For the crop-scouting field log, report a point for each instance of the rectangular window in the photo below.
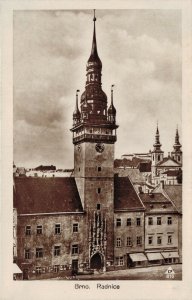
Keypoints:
(56, 268)
(129, 222)
(38, 270)
(169, 239)
(119, 261)
(158, 220)
(75, 227)
(99, 169)
(118, 222)
(159, 240)
(169, 220)
(39, 252)
(98, 206)
(28, 230)
(129, 241)
(57, 250)
(27, 254)
(39, 229)
(99, 190)
(150, 221)
(118, 242)
(138, 221)
(150, 240)
(57, 228)
(75, 249)
(139, 240)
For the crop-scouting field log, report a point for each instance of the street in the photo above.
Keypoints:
(149, 273)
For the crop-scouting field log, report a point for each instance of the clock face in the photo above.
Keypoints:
(99, 147)
(79, 147)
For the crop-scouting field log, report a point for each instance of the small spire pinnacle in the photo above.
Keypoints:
(94, 19)
(112, 93)
(76, 114)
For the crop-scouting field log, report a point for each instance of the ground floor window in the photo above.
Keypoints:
(38, 270)
(56, 268)
(119, 261)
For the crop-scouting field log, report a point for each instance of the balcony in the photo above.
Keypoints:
(86, 137)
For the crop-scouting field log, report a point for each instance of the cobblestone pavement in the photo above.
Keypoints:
(149, 273)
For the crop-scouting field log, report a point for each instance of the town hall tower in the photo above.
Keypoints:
(94, 135)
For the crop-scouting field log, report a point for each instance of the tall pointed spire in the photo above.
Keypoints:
(177, 144)
(157, 144)
(94, 54)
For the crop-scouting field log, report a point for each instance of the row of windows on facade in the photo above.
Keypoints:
(39, 252)
(159, 240)
(129, 241)
(57, 230)
(138, 221)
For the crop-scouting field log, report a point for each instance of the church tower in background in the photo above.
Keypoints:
(94, 135)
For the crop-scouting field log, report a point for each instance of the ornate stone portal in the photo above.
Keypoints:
(97, 241)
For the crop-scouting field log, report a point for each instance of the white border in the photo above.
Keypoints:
(171, 290)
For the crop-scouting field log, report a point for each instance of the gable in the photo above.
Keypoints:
(169, 163)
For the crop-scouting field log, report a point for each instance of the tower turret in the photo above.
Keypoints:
(76, 113)
(176, 154)
(111, 109)
(156, 155)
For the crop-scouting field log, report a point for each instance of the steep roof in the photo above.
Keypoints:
(174, 192)
(134, 174)
(46, 195)
(157, 203)
(125, 196)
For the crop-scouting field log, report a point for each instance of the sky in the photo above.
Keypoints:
(141, 54)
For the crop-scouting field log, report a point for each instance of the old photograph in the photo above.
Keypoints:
(97, 143)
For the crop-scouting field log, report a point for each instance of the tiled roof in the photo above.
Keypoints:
(46, 195)
(129, 163)
(144, 166)
(125, 196)
(174, 192)
(134, 174)
(171, 172)
(157, 203)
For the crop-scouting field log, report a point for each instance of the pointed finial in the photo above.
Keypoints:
(157, 132)
(112, 93)
(94, 18)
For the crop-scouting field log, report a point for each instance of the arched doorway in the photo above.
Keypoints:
(96, 261)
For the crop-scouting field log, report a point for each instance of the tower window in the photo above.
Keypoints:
(99, 169)
(98, 206)
(178, 158)
(158, 157)
(79, 169)
(99, 190)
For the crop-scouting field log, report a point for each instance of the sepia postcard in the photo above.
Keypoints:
(96, 150)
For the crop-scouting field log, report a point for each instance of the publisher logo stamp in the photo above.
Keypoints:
(170, 274)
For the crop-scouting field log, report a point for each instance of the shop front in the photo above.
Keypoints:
(154, 258)
(170, 257)
(137, 260)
